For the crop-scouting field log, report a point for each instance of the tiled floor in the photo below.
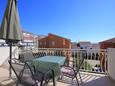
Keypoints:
(89, 79)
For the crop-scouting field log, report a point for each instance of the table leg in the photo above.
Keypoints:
(55, 80)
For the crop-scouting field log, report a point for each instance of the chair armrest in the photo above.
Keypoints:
(67, 67)
(17, 61)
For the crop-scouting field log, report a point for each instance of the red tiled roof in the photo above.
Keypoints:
(109, 40)
(58, 36)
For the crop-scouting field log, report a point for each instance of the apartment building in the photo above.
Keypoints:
(110, 43)
(2, 43)
(54, 41)
(85, 45)
(30, 40)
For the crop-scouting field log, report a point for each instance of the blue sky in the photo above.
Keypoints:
(78, 20)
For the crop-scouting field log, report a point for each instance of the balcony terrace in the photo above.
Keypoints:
(89, 79)
(94, 71)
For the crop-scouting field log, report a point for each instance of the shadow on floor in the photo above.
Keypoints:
(89, 80)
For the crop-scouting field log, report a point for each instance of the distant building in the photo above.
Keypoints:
(2, 43)
(54, 41)
(95, 46)
(110, 43)
(84, 44)
(74, 45)
(30, 40)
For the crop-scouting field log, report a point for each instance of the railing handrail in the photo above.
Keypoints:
(92, 56)
(69, 49)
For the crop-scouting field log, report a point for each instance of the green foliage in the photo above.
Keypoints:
(87, 66)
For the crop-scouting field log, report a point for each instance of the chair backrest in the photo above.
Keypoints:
(26, 55)
(23, 72)
(79, 59)
(16, 67)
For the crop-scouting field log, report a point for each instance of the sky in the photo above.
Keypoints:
(78, 20)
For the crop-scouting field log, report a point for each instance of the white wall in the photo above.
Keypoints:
(2, 40)
(111, 62)
(4, 54)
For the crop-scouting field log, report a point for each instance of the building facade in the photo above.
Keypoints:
(54, 41)
(2, 43)
(30, 40)
(110, 43)
(85, 45)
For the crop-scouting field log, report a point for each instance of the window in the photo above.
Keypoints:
(53, 43)
(40, 43)
(44, 43)
(63, 41)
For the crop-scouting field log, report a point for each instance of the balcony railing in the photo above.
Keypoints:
(94, 59)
